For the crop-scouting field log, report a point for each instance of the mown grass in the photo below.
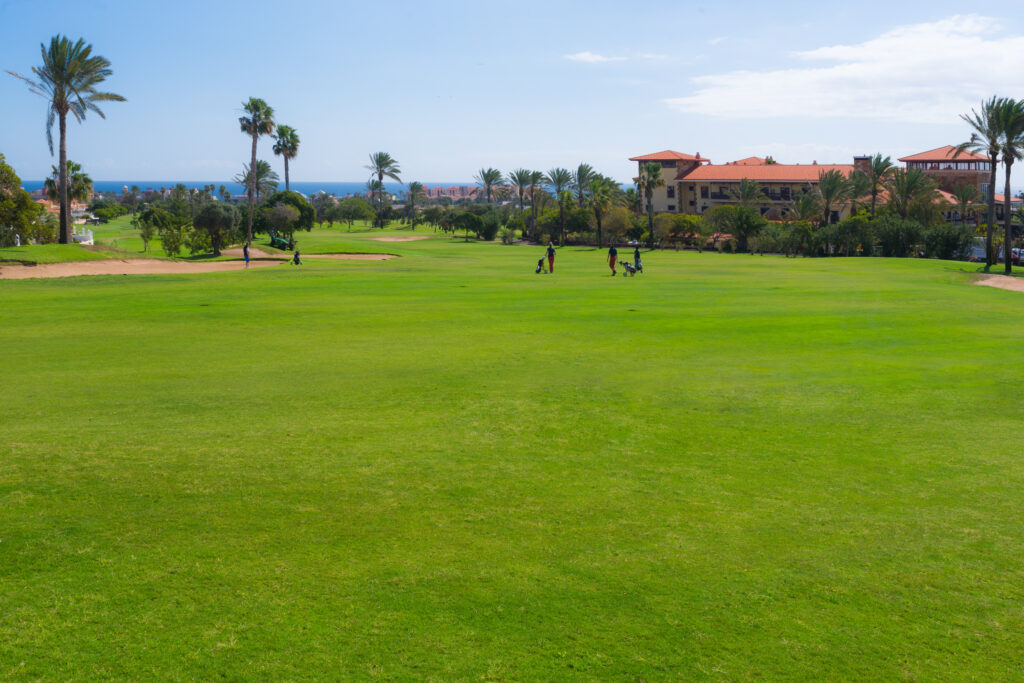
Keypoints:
(443, 466)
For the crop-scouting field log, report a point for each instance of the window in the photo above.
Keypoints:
(670, 191)
(671, 207)
(692, 202)
(703, 191)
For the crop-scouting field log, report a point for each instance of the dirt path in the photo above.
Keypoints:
(1014, 284)
(121, 267)
(401, 238)
(256, 254)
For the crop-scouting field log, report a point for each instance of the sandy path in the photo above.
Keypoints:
(401, 238)
(255, 253)
(1014, 284)
(121, 267)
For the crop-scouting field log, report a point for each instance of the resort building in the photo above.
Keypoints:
(693, 184)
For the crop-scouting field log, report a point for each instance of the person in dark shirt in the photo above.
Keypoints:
(551, 257)
(613, 254)
(245, 254)
(636, 259)
(296, 261)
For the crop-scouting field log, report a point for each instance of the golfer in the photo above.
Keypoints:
(296, 261)
(245, 255)
(636, 259)
(551, 257)
(613, 254)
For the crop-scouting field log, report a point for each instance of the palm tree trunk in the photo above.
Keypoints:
(990, 219)
(62, 183)
(598, 232)
(1008, 240)
(874, 198)
(287, 183)
(252, 190)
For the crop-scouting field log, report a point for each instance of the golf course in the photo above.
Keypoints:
(442, 466)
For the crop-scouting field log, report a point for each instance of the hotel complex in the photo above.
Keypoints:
(693, 184)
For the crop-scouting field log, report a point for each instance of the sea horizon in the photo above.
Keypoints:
(338, 188)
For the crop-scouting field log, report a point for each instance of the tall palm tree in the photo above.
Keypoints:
(1012, 148)
(79, 184)
(860, 187)
(416, 193)
(878, 173)
(488, 179)
(907, 188)
(749, 194)
(520, 180)
(632, 199)
(650, 180)
(258, 121)
(806, 206)
(559, 180)
(581, 179)
(382, 164)
(966, 196)
(833, 190)
(536, 180)
(602, 199)
(286, 145)
(265, 181)
(68, 78)
(985, 139)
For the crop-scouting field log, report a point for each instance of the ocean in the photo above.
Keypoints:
(307, 188)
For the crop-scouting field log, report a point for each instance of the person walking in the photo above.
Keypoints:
(245, 255)
(636, 259)
(551, 257)
(296, 261)
(613, 254)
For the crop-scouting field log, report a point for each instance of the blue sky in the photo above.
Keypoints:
(450, 87)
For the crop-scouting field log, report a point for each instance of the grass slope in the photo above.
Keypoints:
(444, 466)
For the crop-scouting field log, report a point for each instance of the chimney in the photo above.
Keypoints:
(862, 163)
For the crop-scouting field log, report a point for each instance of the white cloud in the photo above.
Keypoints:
(923, 73)
(588, 57)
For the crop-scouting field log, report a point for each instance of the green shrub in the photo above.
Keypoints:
(949, 241)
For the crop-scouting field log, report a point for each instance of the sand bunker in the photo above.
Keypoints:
(401, 238)
(121, 267)
(1014, 284)
(350, 257)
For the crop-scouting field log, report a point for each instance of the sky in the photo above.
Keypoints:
(448, 88)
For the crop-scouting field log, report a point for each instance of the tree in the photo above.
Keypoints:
(520, 180)
(558, 179)
(907, 188)
(68, 78)
(601, 200)
(286, 145)
(146, 231)
(415, 194)
(966, 196)
(986, 139)
(382, 165)
(650, 180)
(536, 179)
(258, 121)
(1012, 149)
(324, 205)
(19, 214)
(488, 179)
(79, 184)
(351, 210)
(265, 182)
(581, 180)
(218, 221)
(305, 214)
(746, 223)
(878, 172)
(833, 190)
(280, 219)
(749, 194)
(469, 222)
(805, 207)
(860, 187)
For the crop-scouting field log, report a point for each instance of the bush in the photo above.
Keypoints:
(490, 224)
(896, 236)
(507, 235)
(949, 242)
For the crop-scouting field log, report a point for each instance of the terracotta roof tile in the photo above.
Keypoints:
(669, 155)
(945, 154)
(772, 173)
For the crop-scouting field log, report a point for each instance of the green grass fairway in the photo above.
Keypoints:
(443, 466)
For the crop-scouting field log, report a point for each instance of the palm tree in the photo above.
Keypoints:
(286, 145)
(536, 179)
(986, 139)
(632, 199)
(68, 78)
(559, 179)
(382, 164)
(805, 207)
(259, 120)
(488, 178)
(581, 180)
(907, 188)
(265, 182)
(1012, 148)
(860, 187)
(79, 184)
(966, 196)
(415, 193)
(878, 172)
(520, 179)
(650, 180)
(833, 190)
(602, 199)
(749, 193)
